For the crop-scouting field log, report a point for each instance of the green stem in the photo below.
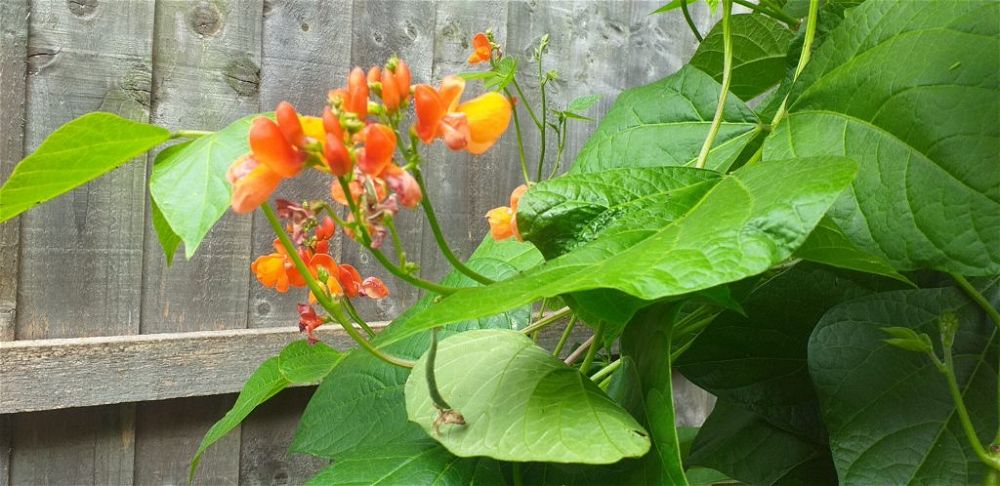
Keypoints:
(690, 21)
(362, 228)
(565, 336)
(407, 277)
(524, 101)
(351, 311)
(518, 476)
(727, 71)
(439, 235)
(978, 298)
(189, 133)
(520, 141)
(592, 351)
(963, 413)
(396, 242)
(606, 371)
(331, 308)
(432, 388)
(547, 321)
(803, 56)
(542, 81)
(792, 22)
(561, 137)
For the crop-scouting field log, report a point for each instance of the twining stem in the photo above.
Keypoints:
(727, 71)
(189, 133)
(432, 388)
(331, 308)
(963, 413)
(978, 298)
(589, 358)
(520, 140)
(351, 311)
(548, 320)
(524, 100)
(792, 22)
(565, 336)
(803, 56)
(542, 81)
(439, 235)
(560, 148)
(690, 21)
(606, 371)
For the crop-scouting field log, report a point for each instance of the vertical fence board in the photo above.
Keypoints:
(306, 52)
(87, 245)
(207, 74)
(452, 177)
(382, 29)
(267, 435)
(13, 71)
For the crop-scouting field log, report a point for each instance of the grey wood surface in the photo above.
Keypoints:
(88, 264)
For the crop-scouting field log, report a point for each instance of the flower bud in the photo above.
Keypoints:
(288, 122)
(336, 155)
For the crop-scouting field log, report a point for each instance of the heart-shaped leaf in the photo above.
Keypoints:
(888, 410)
(76, 153)
(907, 90)
(520, 404)
(758, 54)
(713, 233)
(665, 123)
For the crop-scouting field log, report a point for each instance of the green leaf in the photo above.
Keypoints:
(578, 106)
(520, 404)
(908, 339)
(76, 153)
(926, 131)
(829, 245)
(263, 384)
(417, 462)
(758, 54)
(169, 241)
(673, 4)
(503, 74)
(189, 185)
(714, 233)
(647, 343)
(301, 362)
(362, 390)
(665, 124)
(889, 413)
(744, 446)
(758, 361)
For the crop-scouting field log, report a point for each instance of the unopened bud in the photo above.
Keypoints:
(948, 324)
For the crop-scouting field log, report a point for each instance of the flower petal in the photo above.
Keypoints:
(488, 117)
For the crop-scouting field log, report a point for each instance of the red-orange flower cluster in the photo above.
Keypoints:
(503, 220)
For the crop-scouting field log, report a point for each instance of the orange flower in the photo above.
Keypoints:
(380, 144)
(474, 125)
(252, 182)
(356, 97)
(350, 280)
(481, 49)
(270, 271)
(390, 91)
(501, 223)
(374, 288)
(271, 148)
(405, 186)
(289, 123)
(402, 77)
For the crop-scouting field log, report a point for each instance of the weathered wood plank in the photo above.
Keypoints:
(380, 30)
(85, 246)
(59, 373)
(307, 46)
(267, 435)
(13, 78)
(461, 185)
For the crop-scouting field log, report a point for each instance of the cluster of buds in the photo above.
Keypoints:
(503, 220)
(311, 237)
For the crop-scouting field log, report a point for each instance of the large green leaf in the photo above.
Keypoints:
(362, 390)
(647, 343)
(758, 360)
(301, 362)
(738, 226)
(910, 91)
(169, 240)
(746, 447)
(665, 123)
(520, 404)
(759, 49)
(828, 244)
(422, 462)
(189, 185)
(890, 416)
(76, 153)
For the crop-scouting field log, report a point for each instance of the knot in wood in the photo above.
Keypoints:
(205, 19)
(82, 8)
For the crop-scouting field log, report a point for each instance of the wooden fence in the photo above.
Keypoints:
(116, 365)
